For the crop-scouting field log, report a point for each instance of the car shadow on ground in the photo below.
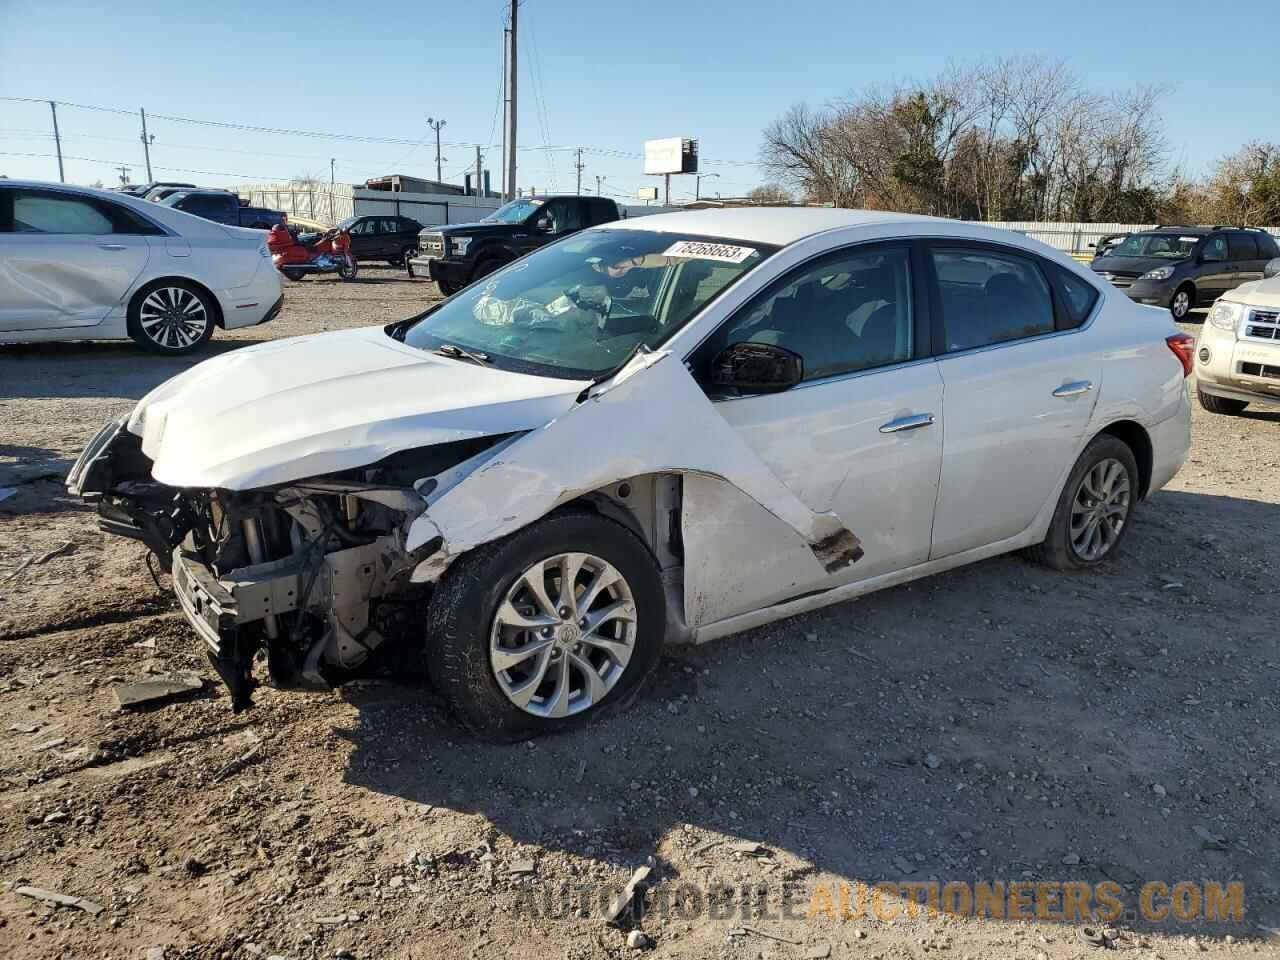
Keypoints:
(1002, 722)
(97, 368)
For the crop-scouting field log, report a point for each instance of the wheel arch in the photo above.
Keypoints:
(151, 284)
(1134, 435)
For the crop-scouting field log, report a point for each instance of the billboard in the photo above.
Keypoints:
(672, 155)
(647, 193)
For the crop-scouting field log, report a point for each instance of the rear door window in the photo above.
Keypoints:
(1243, 246)
(988, 297)
(1077, 296)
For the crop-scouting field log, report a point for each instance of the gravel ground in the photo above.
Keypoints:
(998, 723)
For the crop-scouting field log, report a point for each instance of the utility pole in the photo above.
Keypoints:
(697, 183)
(509, 136)
(578, 166)
(146, 143)
(332, 161)
(436, 125)
(479, 174)
(666, 202)
(124, 176)
(57, 140)
(599, 180)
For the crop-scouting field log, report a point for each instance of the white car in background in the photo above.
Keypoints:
(84, 264)
(665, 429)
(1238, 350)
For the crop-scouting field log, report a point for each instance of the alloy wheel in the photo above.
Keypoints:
(1100, 509)
(1181, 304)
(563, 635)
(173, 317)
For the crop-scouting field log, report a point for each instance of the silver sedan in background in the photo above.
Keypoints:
(84, 264)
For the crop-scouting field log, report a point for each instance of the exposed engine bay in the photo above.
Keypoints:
(302, 573)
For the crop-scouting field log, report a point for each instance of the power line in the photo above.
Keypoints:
(356, 138)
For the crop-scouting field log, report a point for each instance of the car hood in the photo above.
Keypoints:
(478, 228)
(1257, 293)
(313, 405)
(1131, 266)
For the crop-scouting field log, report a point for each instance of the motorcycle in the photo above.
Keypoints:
(327, 252)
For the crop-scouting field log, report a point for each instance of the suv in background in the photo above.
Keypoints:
(458, 254)
(1185, 267)
(382, 237)
(1238, 350)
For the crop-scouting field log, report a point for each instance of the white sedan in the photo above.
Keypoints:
(84, 264)
(663, 430)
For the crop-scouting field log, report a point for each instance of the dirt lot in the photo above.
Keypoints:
(999, 723)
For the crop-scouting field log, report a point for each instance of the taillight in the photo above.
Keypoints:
(1183, 346)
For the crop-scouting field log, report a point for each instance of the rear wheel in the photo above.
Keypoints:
(171, 317)
(546, 628)
(348, 269)
(1093, 511)
(1183, 300)
(1221, 405)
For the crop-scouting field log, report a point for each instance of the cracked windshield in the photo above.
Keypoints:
(579, 308)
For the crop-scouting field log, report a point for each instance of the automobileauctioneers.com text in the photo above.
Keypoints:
(1064, 901)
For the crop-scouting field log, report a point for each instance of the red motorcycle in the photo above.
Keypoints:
(297, 256)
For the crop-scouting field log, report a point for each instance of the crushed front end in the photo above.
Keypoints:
(311, 574)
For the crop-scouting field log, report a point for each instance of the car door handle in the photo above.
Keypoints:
(112, 246)
(913, 422)
(1074, 388)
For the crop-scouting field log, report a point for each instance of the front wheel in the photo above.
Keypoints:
(171, 317)
(1182, 302)
(1225, 406)
(1093, 511)
(546, 628)
(348, 269)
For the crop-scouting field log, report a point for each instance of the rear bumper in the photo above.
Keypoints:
(257, 302)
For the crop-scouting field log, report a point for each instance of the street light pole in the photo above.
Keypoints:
(697, 183)
(599, 180)
(436, 125)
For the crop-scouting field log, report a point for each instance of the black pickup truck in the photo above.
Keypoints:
(460, 253)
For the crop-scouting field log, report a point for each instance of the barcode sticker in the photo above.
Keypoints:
(701, 250)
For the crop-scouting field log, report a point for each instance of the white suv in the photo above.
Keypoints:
(1238, 351)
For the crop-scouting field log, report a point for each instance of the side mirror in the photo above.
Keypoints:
(1272, 269)
(543, 224)
(756, 368)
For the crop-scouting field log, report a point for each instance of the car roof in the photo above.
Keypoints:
(773, 225)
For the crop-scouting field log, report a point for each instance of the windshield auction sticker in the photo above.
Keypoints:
(699, 250)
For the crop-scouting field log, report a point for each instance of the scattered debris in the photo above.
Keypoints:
(619, 909)
(59, 899)
(750, 848)
(637, 940)
(903, 865)
(756, 931)
(932, 761)
(23, 727)
(65, 547)
(1208, 839)
(1093, 936)
(1071, 859)
(1159, 790)
(818, 951)
(19, 568)
(48, 745)
(239, 763)
(522, 868)
(158, 690)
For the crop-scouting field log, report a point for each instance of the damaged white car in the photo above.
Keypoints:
(662, 430)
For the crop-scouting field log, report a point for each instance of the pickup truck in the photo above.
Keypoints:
(460, 253)
(222, 206)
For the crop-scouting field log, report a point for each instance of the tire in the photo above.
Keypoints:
(403, 259)
(1060, 550)
(1225, 406)
(1184, 298)
(448, 289)
(486, 267)
(408, 267)
(292, 273)
(465, 629)
(349, 269)
(171, 317)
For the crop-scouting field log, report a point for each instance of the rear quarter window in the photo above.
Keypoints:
(1077, 295)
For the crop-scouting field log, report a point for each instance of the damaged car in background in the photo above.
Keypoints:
(663, 430)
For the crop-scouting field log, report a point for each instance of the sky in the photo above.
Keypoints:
(602, 76)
